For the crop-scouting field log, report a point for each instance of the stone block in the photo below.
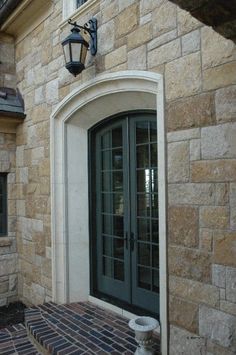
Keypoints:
(139, 36)
(183, 342)
(123, 4)
(224, 248)
(183, 313)
(222, 194)
(228, 307)
(218, 326)
(109, 12)
(160, 40)
(183, 225)
(145, 19)
(107, 31)
(186, 22)
(219, 141)
(183, 77)
(194, 291)
(39, 96)
(165, 53)
(4, 284)
(178, 162)
(164, 18)
(126, 21)
(196, 111)
(206, 239)
(216, 349)
(187, 134)
(189, 263)
(215, 48)
(116, 57)
(137, 58)
(8, 264)
(195, 149)
(225, 99)
(12, 282)
(216, 217)
(147, 6)
(231, 284)
(191, 42)
(222, 170)
(191, 194)
(220, 76)
(52, 91)
(218, 275)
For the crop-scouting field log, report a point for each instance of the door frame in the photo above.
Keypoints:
(70, 121)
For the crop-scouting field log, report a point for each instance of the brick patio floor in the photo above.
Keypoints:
(80, 328)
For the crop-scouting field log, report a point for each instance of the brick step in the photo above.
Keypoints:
(79, 328)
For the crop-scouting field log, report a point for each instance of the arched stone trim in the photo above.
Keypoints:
(88, 104)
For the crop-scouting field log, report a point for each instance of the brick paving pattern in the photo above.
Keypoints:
(14, 340)
(80, 328)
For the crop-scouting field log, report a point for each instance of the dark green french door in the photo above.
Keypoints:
(125, 210)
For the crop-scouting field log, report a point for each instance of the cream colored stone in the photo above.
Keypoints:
(220, 76)
(106, 31)
(183, 313)
(183, 342)
(137, 58)
(178, 162)
(160, 40)
(183, 76)
(228, 307)
(216, 217)
(126, 21)
(193, 194)
(164, 18)
(116, 57)
(206, 239)
(190, 42)
(225, 248)
(165, 53)
(140, 36)
(215, 48)
(225, 99)
(222, 170)
(194, 291)
(186, 22)
(187, 134)
(222, 194)
(195, 149)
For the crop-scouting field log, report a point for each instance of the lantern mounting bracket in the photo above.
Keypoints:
(91, 28)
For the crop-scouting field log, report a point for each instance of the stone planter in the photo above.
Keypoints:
(143, 327)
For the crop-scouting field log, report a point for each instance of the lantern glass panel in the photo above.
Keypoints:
(76, 51)
(83, 53)
(66, 48)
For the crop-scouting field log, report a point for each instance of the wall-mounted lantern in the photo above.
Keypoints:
(75, 46)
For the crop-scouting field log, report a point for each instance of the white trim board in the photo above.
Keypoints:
(88, 104)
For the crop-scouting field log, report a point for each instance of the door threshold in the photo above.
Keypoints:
(115, 309)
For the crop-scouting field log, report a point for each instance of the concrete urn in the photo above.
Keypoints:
(143, 328)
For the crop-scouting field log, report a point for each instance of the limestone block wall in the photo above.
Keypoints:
(8, 249)
(199, 70)
(7, 61)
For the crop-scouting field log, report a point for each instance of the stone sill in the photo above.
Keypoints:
(82, 10)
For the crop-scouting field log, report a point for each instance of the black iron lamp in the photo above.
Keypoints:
(75, 46)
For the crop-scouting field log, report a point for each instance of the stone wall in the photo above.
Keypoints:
(199, 69)
(8, 250)
(7, 61)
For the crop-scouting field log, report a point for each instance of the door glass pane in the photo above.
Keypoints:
(106, 160)
(107, 246)
(155, 232)
(153, 131)
(143, 205)
(107, 224)
(154, 199)
(141, 132)
(143, 228)
(155, 256)
(144, 277)
(118, 226)
(107, 267)
(117, 159)
(144, 255)
(155, 281)
(154, 155)
(106, 181)
(106, 202)
(118, 247)
(143, 180)
(153, 180)
(117, 181)
(118, 270)
(142, 156)
(118, 204)
(117, 137)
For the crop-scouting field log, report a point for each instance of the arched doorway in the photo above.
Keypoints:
(83, 108)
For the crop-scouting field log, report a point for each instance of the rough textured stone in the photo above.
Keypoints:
(126, 21)
(231, 284)
(196, 111)
(219, 141)
(186, 23)
(215, 48)
(183, 313)
(189, 263)
(218, 275)
(8, 264)
(183, 225)
(178, 162)
(224, 248)
(225, 99)
(222, 194)
(183, 342)
(137, 58)
(213, 170)
(214, 217)
(195, 149)
(116, 57)
(165, 53)
(191, 42)
(139, 36)
(217, 326)
(206, 239)
(52, 91)
(193, 194)
(232, 201)
(160, 40)
(220, 76)
(164, 18)
(187, 134)
(228, 307)
(183, 77)
(194, 291)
